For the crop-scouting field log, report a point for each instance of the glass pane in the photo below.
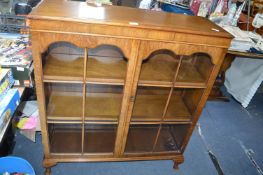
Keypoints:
(195, 69)
(149, 103)
(183, 104)
(63, 101)
(65, 138)
(100, 138)
(106, 62)
(159, 67)
(103, 102)
(141, 138)
(171, 138)
(64, 61)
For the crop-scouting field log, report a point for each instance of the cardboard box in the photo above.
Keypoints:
(15, 53)
(23, 74)
(8, 106)
(6, 81)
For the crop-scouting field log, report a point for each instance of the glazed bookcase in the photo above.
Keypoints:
(124, 84)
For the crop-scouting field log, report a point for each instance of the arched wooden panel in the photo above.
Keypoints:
(106, 63)
(159, 67)
(63, 61)
(83, 41)
(147, 47)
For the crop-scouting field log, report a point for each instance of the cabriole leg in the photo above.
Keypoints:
(176, 165)
(47, 164)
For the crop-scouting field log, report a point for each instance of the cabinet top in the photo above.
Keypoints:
(66, 10)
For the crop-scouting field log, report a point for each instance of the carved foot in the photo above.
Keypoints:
(47, 163)
(48, 171)
(176, 167)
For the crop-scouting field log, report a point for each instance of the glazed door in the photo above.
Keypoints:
(169, 86)
(84, 89)
(105, 82)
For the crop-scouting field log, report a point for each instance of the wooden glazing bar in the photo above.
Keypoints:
(167, 103)
(84, 100)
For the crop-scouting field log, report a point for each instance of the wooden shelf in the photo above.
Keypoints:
(189, 74)
(103, 106)
(158, 70)
(177, 110)
(151, 107)
(67, 106)
(106, 70)
(58, 67)
(163, 74)
(64, 106)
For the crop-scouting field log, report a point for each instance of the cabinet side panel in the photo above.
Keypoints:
(40, 90)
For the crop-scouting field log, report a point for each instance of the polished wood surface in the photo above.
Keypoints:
(103, 106)
(98, 68)
(56, 107)
(125, 16)
(63, 70)
(118, 83)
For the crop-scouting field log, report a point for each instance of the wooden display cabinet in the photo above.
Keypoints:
(119, 84)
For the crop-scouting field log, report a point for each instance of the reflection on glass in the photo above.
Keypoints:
(149, 103)
(103, 102)
(106, 61)
(99, 138)
(93, 12)
(63, 61)
(171, 138)
(65, 138)
(161, 66)
(63, 101)
(141, 138)
(195, 68)
(183, 104)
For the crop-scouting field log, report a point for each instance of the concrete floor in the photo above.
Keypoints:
(231, 134)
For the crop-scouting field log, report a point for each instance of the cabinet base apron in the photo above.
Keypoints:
(48, 163)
